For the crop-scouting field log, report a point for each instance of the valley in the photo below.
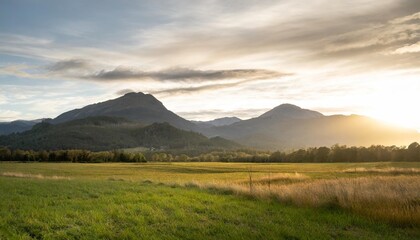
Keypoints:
(206, 200)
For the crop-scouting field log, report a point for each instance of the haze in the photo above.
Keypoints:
(212, 59)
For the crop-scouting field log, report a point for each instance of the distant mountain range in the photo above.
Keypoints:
(17, 126)
(108, 133)
(217, 122)
(124, 121)
(291, 127)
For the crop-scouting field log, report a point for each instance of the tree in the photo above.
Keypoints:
(277, 156)
(413, 152)
(321, 154)
(5, 154)
(138, 157)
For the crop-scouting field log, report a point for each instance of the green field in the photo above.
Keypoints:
(196, 201)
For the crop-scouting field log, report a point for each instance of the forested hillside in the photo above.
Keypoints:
(108, 133)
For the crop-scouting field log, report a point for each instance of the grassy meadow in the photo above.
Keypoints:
(209, 201)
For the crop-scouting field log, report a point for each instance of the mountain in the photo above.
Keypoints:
(289, 111)
(17, 126)
(291, 127)
(217, 122)
(108, 133)
(111, 124)
(139, 107)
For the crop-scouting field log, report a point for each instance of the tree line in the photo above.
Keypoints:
(82, 156)
(336, 153)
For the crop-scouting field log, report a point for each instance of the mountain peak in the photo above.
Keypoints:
(288, 110)
(287, 106)
(139, 107)
(129, 94)
(137, 94)
(138, 99)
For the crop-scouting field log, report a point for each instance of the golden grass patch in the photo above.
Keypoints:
(37, 176)
(395, 199)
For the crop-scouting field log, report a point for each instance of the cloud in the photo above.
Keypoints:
(211, 87)
(398, 31)
(414, 48)
(3, 98)
(65, 65)
(64, 70)
(184, 74)
(219, 46)
(124, 91)
(9, 115)
(240, 35)
(22, 40)
(415, 16)
(19, 70)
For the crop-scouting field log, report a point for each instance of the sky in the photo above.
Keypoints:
(210, 59)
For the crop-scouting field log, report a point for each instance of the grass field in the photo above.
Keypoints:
(209, 201)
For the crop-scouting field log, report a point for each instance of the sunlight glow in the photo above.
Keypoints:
(392, 102)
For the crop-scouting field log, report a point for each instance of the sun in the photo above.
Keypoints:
(401, 116)
(397, 102)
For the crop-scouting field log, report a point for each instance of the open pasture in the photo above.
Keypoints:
(209, 201)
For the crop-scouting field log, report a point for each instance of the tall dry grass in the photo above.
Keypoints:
(279, 178)
(391, 170)
(37, 176)
(395, 199)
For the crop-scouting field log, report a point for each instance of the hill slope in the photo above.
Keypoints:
(290, 127)
(139, 107)
(284, 127)
(16, 126)
(107, 133)
(217, 122)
